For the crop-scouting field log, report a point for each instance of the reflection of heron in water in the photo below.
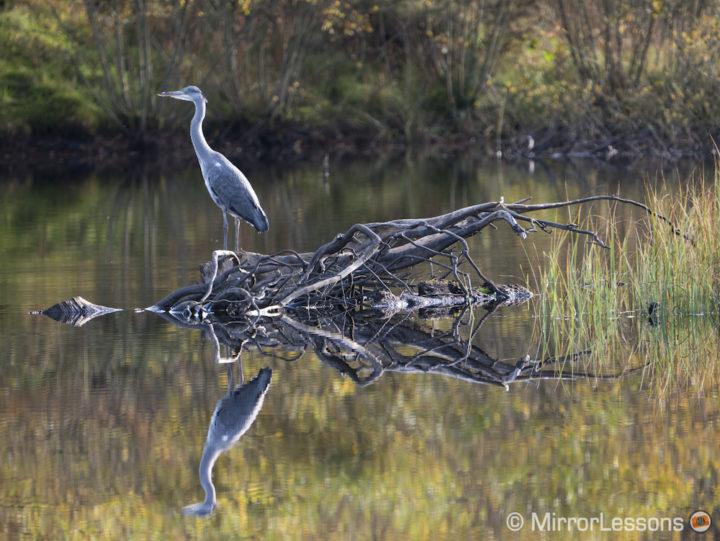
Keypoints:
(233, 415)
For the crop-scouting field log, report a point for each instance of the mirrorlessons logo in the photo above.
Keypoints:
(550, 522)
(700, 521)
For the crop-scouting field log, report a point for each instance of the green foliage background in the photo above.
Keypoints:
(409, 71)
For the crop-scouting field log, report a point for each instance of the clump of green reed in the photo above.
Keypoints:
(583, 295)
(599, 299)
(680, 270)
(682, 276)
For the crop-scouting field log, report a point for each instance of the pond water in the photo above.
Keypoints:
(102, 427)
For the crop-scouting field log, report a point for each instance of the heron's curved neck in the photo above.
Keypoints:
(202, 149)
(209, 456)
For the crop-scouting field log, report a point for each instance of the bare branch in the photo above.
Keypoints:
(359, 269)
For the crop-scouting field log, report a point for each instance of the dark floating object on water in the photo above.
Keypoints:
(653, 311)
(76, 311)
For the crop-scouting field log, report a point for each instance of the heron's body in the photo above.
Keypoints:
(234, 414)
(237, 410)
(228, 186)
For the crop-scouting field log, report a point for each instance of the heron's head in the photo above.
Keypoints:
(189, 93)
(202, 509)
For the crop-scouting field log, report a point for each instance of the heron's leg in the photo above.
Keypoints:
(237, 234)
(229, 376)
(225, 231)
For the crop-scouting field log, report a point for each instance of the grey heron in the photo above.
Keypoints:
(233, 415)
(228, 186)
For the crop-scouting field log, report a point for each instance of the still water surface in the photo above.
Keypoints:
(102, 427)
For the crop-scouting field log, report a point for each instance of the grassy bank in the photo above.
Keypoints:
(651, 300)
(584, 78)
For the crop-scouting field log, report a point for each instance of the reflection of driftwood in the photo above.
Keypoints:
(76, 311)
(373, 347)
(365, 264)
(364, 346)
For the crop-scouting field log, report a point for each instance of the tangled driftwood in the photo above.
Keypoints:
(352, 303)
(364, 266)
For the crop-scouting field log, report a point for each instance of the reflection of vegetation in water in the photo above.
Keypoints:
(104, 429)
(410, 457)
(651, 298)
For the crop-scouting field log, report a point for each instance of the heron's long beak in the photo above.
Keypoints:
(171, 94)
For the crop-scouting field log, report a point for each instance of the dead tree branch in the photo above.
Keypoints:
(360, 268)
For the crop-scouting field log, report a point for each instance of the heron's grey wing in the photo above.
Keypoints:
(234, 194)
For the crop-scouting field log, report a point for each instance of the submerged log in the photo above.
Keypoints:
(438, 299)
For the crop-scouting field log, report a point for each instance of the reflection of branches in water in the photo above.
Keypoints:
(364, 346)
(404, 346)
